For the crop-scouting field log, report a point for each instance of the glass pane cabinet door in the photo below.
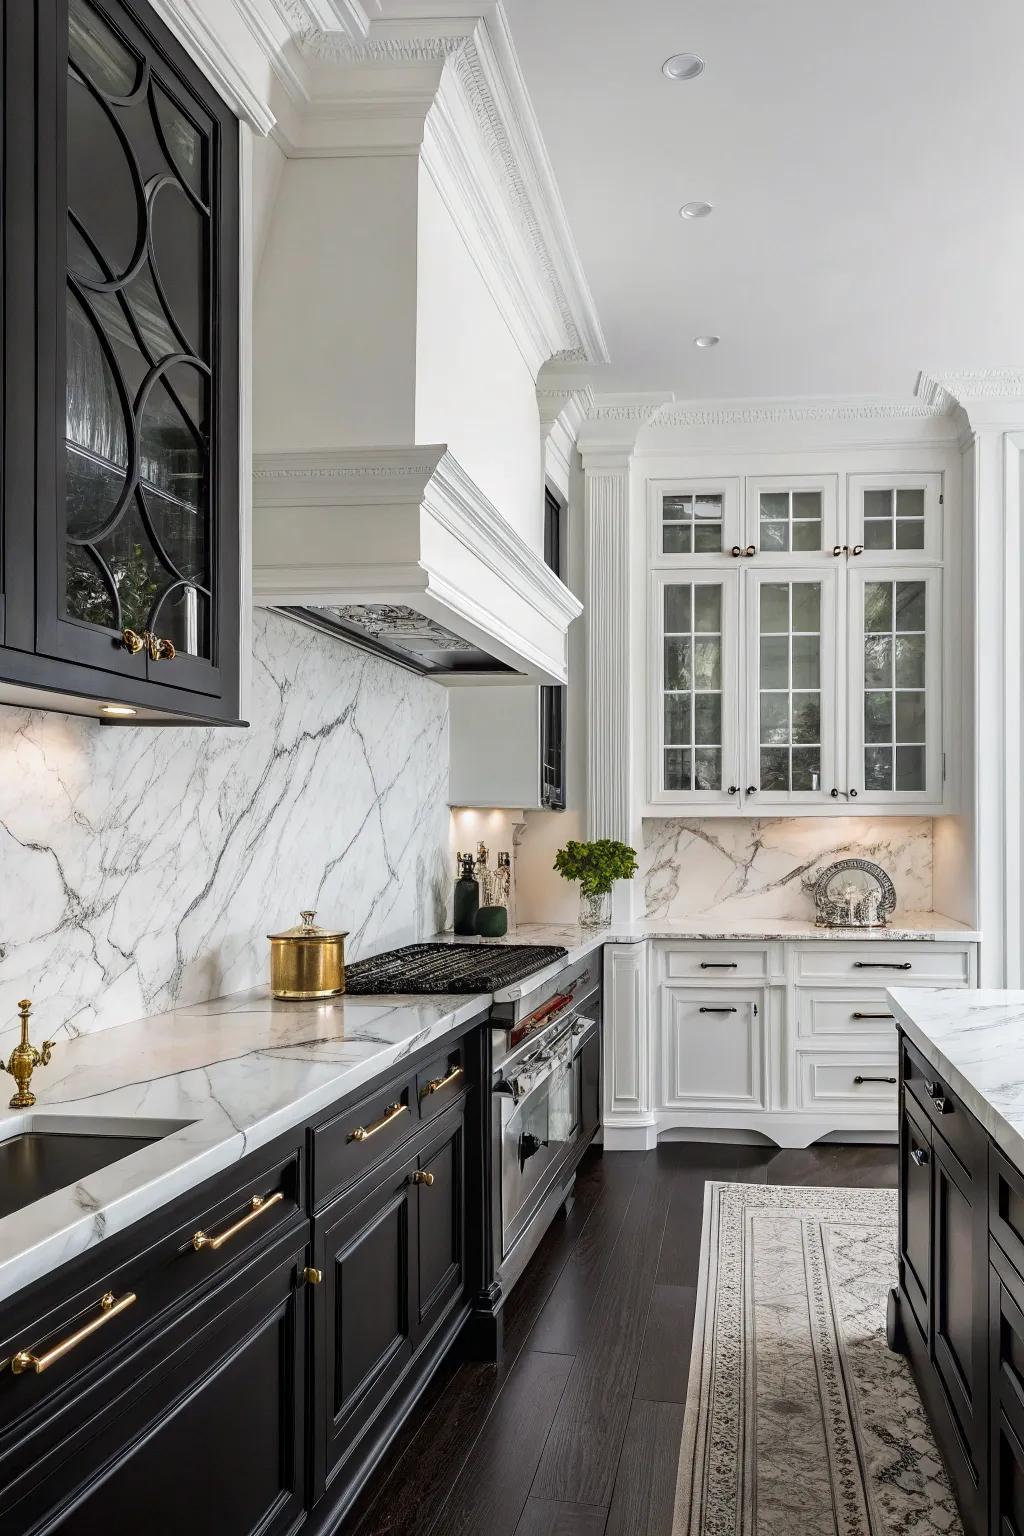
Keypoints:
(791, 689)
(895, 692)
(693, 519)
(894, 517)
(794, 518)
(694, 697)
(139, 490)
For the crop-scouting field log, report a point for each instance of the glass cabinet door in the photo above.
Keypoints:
(694, 672)
(791, 686)
(894, 517)
(794, 518)
(895, 729)
(693, 519)
(148, 353)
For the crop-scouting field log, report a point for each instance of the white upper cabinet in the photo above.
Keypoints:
(792, 518)
(796, 643)
(693, 519)
(895, 518)
(792, 686)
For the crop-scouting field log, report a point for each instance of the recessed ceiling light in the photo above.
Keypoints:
(706, 341)
(696, 210)
(683, 66)
(117, 709)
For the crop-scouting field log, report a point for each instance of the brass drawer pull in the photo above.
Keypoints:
(312, 1276)
(873, 1015)
(109, 1308)
(860, 1079)
(364, 1132)
(421, 1176)
(257, 1205)
(437, 1083)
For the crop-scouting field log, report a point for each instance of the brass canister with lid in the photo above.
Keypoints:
(307, 962)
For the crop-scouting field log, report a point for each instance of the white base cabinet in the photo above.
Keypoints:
(790, 1040)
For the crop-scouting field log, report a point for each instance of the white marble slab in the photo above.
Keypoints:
(975, 1040)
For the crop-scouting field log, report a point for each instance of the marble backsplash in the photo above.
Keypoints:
(767, 868)
(143, 868)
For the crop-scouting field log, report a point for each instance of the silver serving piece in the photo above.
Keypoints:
(854, 893)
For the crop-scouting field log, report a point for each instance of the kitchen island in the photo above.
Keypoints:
(958, 1309)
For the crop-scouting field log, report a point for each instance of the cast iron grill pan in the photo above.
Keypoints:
(460, 968)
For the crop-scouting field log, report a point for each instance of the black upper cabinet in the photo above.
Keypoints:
(123, 584)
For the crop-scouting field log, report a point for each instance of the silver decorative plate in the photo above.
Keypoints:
(853, 893)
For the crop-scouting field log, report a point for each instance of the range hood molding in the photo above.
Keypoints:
(406, 526)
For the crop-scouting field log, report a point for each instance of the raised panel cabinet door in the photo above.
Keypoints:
(694, 680)
(138, 390)
(1006, 1333)
(714, 1048)
(365, 1313)
(217, 1441)
(960, 1341)
(792, 713)
(915, 1207)
(441, 1222)
(895, 686)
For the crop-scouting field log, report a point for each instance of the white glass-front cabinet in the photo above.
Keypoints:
(796, 643)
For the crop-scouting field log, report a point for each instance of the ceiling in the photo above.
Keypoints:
(866, 166)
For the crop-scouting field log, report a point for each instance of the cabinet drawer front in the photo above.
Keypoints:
(885, 964)
(841, 1017)
(163, 1277)
(946, 1112)
(1006, 1208)
(442, 1081)
(848, 1080)
(710, 962)
(713, 1048)
(361, 1136)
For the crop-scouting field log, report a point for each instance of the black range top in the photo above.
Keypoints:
(459, 968)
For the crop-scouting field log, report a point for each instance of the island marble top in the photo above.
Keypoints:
(231, 1075)
(975, 1040)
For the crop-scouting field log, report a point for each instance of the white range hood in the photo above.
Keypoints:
(400, 543)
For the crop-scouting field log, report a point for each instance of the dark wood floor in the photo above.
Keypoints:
(577, 1433)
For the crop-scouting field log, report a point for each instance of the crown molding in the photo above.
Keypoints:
(696, 413)
(943, 391)
(189, 21)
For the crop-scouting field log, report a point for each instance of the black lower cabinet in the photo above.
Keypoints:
(393, 1286)
(1006, 1313)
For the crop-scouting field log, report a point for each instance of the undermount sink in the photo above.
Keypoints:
(52, 1153)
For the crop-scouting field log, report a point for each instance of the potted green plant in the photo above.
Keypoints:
(596, 865)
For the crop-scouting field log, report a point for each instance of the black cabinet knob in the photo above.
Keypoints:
(920, 1156)
(853, 794)
(834, 793)
(733, 789)
(751, 789)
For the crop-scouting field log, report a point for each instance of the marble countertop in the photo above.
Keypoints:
(975, 1040)
(229, 1076)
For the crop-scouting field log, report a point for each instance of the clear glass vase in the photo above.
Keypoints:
(595, 909)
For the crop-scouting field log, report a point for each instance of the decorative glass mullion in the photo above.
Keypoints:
(789, 684)
(691, 702)
(895, 627)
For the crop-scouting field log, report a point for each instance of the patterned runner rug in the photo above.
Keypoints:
(799, 1419)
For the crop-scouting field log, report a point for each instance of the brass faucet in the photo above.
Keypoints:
(25, 1058)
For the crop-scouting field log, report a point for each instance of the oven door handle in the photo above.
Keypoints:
(529, 1146)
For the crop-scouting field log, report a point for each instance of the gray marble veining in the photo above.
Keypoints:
(144, 868)
(739, 866)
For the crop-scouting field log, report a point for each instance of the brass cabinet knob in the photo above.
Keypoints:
(312, 1276)
(421, 1176)
(159, 649)
(132, 641)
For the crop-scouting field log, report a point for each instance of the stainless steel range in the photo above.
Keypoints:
(545, 1105)
(545, 1072)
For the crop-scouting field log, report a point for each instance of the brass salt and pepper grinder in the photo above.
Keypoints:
(25, 1058)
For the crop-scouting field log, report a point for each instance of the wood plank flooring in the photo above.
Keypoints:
(577, 1432)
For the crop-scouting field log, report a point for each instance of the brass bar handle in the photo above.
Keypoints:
(257, 1205)
(421, 1176)
(109, 1308)
(364, 1132)
(437, 1083)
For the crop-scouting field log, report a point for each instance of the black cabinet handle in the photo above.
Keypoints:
(733, 789)
(751, 789)
(839, 549)
(873, 1015)
(719, 965)
(860, 1079)
(719, 1010)
(943, 1105)
(834, 793)
(853, 794)
(858, 549)
(882, 965)
(920, 1156)
(932, 1089)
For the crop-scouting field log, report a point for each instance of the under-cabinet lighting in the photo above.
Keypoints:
(117, 709)
(695, 210)
(683, 66)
